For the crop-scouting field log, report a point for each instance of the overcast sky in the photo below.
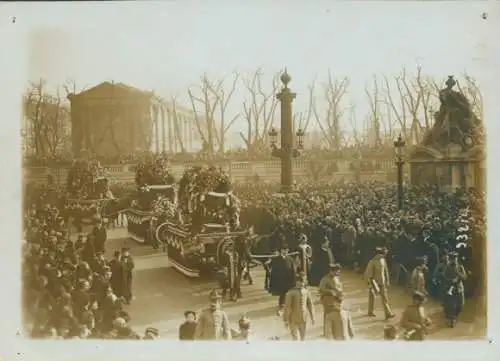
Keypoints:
(166, 46)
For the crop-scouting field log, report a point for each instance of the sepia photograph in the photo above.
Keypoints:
(254, 172)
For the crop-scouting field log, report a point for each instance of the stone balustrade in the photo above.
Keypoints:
(266, 170)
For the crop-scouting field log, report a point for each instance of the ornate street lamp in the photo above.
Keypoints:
(399, 144)
(287, 150)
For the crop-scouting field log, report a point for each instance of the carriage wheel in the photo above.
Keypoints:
(222, 247)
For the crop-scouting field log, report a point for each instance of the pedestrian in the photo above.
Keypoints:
(282, 278)
(128, 267)
(414, 321)
(419, 276)
(117, 274)
(187, 329)
(213, 323)
(338, 321)
(454, 299)
(377, 275)
(243, 332)
(330, 287)
(299, 309)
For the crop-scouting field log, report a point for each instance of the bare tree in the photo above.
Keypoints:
(334, 91)
(397, 105)
(47, 120)
(213, 100)
(374, 100)
(260, 109)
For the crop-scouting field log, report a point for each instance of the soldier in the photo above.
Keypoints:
(299, 308)
(414, 321)
(377, 275)
(213, 323)
(453, 302)
(338, 321)
(329, 288)
(418, 276)
(438, 276)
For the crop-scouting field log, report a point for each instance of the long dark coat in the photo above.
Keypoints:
(320, 266)
(117, 277)
(283, 274)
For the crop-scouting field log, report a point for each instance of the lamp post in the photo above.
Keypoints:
(287, 150)
(399, 144)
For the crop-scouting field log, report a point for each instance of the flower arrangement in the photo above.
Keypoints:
(153, 170)
(84, 180)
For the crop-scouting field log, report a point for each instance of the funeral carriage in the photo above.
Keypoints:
(154, 201)
(87, 192)
(201, 239)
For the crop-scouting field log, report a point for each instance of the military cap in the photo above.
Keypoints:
(380, 249)
(453, 254)
(125, 249)
(153, 331)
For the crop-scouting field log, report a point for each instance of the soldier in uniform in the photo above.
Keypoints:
(453, 302)
(414, 321)
(377, 275)
(299, 309)
(338, 321)
(438, 276)
(329, 288)
(213, 323)
(418, 276)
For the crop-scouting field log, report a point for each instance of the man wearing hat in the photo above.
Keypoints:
(282, 278)
(453, 302)
(213, 323)
(377, 275)
(329, 288)
(338, 321)
(414, 321)
(418, 276)
(299, 308)
(128, 267)
(99, 235)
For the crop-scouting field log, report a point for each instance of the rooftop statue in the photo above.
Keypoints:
(455, 121)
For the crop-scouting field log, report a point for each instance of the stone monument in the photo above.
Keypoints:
(452, 152)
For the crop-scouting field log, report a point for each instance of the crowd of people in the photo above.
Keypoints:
(70, 289)
(79, 294)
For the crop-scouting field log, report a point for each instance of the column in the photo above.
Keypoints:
(163, 135)
(455, 176)
(157, 128)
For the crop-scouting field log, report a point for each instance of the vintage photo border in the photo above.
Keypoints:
(13, 65)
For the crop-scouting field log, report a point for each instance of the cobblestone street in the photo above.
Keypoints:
(162, 295)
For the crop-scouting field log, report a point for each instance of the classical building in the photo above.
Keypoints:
(111, 119)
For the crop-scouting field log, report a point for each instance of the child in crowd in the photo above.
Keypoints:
(187, 329)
